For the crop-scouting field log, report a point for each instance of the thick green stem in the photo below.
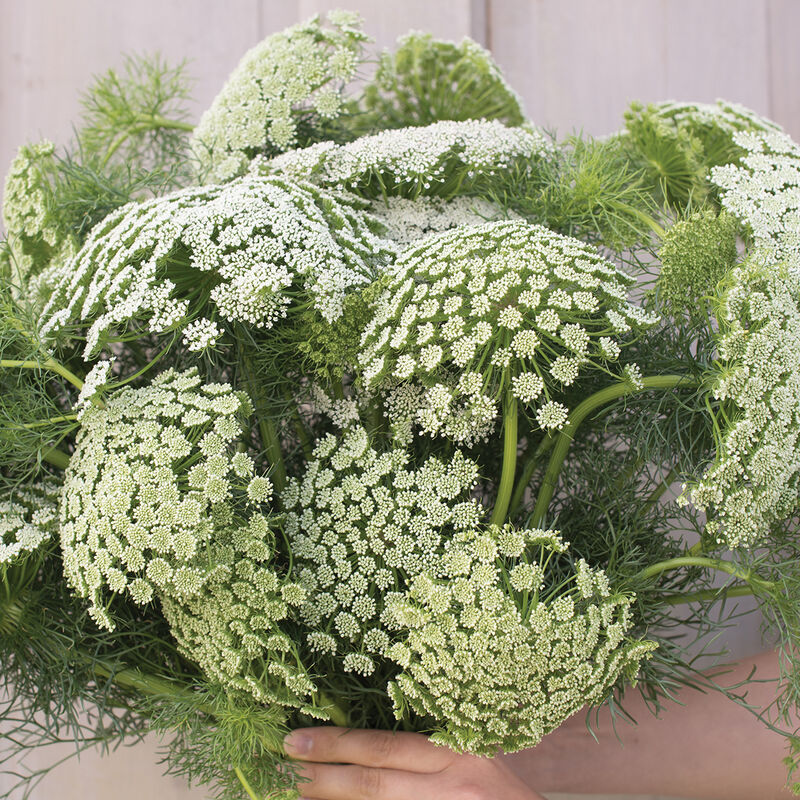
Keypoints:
(49, 364)
(58, 458)
(245, 784)
(339, 716)
(506, 485)
(530, 467)
(747, 576)
(704, 595)
(578, 415)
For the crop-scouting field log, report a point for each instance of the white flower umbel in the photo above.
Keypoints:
(443, 159)
(151, 483)
(763, 190)
(496, 658)
(287, 83)
(754, 481)
(361, 522)
(720, 118)
(93, 385)
(466, 307)
(239, 251)
(28, 520)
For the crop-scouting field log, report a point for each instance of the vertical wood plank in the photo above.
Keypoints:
(49, 51)
(578, 63)
(385, 20)
(783, 27)
(717, 49)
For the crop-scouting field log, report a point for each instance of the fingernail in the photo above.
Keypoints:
(297, 744)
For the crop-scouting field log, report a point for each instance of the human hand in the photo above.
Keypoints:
(345, 764)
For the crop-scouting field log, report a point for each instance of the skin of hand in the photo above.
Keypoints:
(344, 764)
(705, 746)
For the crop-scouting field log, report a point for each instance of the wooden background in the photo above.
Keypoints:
(577, 64)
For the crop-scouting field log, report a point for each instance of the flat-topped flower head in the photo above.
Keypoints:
(763, 190)
(442, 159)
(239, 252)
(426, 79)
(154, 481)
(754, 481)
(494, 655)
(466, 307)
(282, 91)
(360, 523)
(28, 522)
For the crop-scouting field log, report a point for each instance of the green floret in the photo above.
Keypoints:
(696, 254)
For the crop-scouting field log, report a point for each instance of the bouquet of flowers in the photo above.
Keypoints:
(364, 401)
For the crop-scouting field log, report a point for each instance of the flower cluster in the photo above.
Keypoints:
(359, 519)
(280, 86)
(710, 119)
(408, 220)
(442, 159)
(467, 306)
(755, 479)
(496, 659)
(763, 190)
(427, 79)
(244, 245)
(28, 519)
(230, 626)
(696, 254)
(153, 479)
(35, 235)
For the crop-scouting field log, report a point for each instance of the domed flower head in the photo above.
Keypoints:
(442, 159)
(496, 656)
(754, 481)
(282, 90)
(509, 305)
(361, 522)
(238, 253)
(426, 79)
(154, 480)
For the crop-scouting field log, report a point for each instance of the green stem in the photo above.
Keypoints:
(58, 458)
(50, 364)
(339, 716)
(530, 467)
(269, 436)
(245, 785)
(709, 594)
(747, 576)
(578, 415)
(509, 460)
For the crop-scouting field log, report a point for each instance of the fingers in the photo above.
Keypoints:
(350, 782)
(381, 749)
